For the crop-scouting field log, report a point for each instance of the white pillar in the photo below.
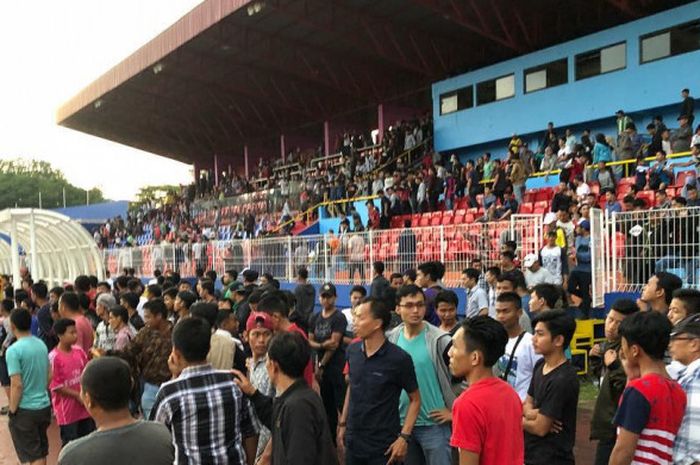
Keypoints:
(32, 244)
(14, 250)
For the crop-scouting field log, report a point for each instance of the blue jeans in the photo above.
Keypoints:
(430, 445)
(148, 398)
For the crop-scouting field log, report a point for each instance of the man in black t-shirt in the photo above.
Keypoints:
(549, 411)
(326, 331)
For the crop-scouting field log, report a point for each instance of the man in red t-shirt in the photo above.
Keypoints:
(275, 304)
(487, 417)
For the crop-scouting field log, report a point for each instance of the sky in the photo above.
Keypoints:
(50, 50)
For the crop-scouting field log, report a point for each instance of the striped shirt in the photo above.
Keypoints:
(207, 415)
(686, 449)
(652, 407)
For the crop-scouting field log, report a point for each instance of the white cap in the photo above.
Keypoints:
(529, 260)
(550, 218)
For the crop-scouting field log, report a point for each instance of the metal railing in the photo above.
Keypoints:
(630, 246)
(344, 258)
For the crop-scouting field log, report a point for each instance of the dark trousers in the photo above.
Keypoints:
(333, 395)
(359, 266)
(351, 459)
(76, 430)
(603, 451)
(580, 286)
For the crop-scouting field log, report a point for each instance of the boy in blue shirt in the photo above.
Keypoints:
(30, 407)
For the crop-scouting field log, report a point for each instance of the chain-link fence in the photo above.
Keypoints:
(343, 258)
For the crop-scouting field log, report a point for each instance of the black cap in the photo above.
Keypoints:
(328, 289)
(243, 290)
(690, 325)
(250, 275)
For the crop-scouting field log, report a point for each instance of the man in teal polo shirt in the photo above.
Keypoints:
(427, 345)
(30, 407)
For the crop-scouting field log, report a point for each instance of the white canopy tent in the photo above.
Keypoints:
(56, 248)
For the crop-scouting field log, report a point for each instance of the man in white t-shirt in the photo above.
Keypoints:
(536, 274)
(516, 365)
(553, 258)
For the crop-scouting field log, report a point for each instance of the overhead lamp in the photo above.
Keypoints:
(98, 103)
(157, 68)
(255, 8)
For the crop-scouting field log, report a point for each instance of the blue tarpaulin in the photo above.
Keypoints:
(97, 213)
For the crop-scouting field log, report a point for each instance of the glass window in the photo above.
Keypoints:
(457, 100)
(670, 42)
(549, 75)
(448, 104)
(613, 58)
(505, 87)
(601, 61)
(495, 89)
(656, 47)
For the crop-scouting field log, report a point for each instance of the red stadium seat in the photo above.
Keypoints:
(544, 194)
(648, 196)
(526, 208)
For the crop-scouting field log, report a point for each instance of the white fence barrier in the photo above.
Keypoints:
(342, 258)
(630, 246)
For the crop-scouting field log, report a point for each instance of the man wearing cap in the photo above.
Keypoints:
(259, 329)
(326, 330)
(550, 221)
(580, 278)
(535, 273)
(681, 137)
(685, 348)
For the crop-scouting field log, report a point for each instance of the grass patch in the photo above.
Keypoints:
(588, 391)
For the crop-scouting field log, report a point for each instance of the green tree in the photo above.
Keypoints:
(22, 180)
(155, 195)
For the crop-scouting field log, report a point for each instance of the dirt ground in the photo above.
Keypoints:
(584, 450)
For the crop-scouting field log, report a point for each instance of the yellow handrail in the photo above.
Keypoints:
(590, 167)
(322, 204)
(393, 160)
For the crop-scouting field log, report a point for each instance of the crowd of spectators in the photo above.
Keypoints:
(396, 377)
(287, 188)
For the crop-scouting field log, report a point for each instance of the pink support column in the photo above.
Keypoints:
(283, 148)
(380, 122)
(245, 159)
(327, 137)
(197, 170)
(216, 170)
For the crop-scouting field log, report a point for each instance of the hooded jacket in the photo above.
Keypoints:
(438, 342)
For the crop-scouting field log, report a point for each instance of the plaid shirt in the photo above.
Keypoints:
(207, 414)
(686, 449)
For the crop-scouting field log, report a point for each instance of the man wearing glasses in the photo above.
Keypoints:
(685, 348)
(428, 347)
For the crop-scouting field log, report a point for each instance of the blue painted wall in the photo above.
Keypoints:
(636, 88)
(326, 223)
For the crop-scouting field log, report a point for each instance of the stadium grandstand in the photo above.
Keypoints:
(533, 159)
(296, 123)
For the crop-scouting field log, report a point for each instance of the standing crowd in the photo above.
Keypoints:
(180, 372)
